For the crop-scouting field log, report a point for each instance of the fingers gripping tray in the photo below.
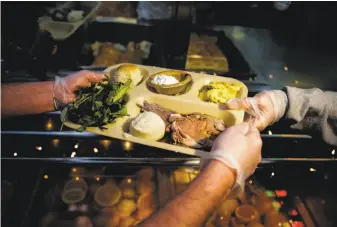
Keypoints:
(187, 102)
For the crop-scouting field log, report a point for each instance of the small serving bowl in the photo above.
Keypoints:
(172, 89)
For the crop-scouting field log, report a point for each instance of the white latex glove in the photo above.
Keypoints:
(65, 88)
(263, 109)
(238, 147)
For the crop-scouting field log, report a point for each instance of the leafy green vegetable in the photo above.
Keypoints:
(97, 105)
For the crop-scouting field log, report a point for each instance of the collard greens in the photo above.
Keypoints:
(97, 105)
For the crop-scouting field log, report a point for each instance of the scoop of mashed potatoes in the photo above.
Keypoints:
(148, 125)
(127, 72)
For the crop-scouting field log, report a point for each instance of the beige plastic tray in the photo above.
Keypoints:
(184, 104)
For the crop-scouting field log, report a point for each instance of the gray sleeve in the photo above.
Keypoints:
(313, 110)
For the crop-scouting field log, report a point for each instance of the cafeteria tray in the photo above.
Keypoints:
(184, 104)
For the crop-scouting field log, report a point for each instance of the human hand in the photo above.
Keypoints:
(263, 109)
(239, 147)
(65, 88)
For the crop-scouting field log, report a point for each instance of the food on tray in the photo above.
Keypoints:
(164, 79)
(145, 187)
(128, 193)
(127, 182)
(148, 125)
(73, 195)
(246, 214)
(97, 105)
(255, 224)
(204, 54)
(83, 221)
(127, 206)
(127, 222)
(155, 108)
(181, 177)
(143, 214)
(227, 207)
(145, 174)
(127, 72)
(218, 92)
(195, 130)
(107, 195)
(146, 201)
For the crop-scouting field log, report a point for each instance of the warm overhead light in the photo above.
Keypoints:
(285, 68)
(95, 150)
(97, 178)
(73, 154)
(74, 170)
(127, 145)
(45, 177)
(312, 170)
(39, 148)
(77, 178)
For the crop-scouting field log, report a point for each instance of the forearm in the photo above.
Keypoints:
(313, 110)
(26, 98)
(194, 205)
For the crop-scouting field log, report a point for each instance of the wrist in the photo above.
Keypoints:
(227, 173)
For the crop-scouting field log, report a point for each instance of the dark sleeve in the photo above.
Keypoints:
(313, 110)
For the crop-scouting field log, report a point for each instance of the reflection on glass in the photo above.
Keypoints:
(49, 125)
(127, 145)
(55, 142)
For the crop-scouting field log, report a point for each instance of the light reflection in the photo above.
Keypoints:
(285, 68)
(312, 170)
(45, 177)
(105, 143)
(49, 125)
(270, 76)
(76, 146)
(15, 154)
(127, 145)
(270, 132)
(77, 178)
(74, 170)
(250, 182)
(272, 174)
(97, 178)
(73, 154)
(95, 150)
(55, 142)
(129, 181)
(297, 82)
(39, 148)
(333, 152)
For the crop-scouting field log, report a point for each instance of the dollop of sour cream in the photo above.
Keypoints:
(165, 80)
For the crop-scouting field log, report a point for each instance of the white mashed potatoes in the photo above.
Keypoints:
(148, 125)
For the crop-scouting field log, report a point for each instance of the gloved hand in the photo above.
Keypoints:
(238, 147)
(65, 88)
(263, 109)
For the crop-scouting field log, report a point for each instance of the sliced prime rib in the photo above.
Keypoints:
(193, 130)
(155, 108)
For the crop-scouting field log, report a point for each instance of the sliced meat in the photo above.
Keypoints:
(155, 108)
(195, 130)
